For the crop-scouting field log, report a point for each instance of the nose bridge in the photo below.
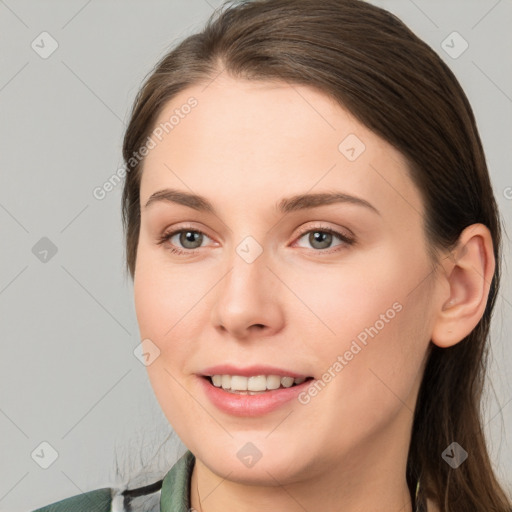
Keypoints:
(247, 295)
(246, 285)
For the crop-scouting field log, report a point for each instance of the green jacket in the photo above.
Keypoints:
(173, 493)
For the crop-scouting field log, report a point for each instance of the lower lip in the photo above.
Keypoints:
(251, 405)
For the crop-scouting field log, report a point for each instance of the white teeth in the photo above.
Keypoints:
(240, 383)
(255, 384)
(287, 381)
(273, 382)
(226, 382)
(258, 383)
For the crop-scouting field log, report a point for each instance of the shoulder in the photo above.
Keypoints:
(108, 500)
(99, 500)
(175, 484)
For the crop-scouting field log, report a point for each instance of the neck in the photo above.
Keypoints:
(327, 494)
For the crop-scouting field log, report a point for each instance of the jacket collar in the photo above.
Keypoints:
(175, 495)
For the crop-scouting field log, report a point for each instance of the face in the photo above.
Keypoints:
(333, 289)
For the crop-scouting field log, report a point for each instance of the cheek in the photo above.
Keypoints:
(365, 298)
(163, 293)
(162, 301)
(373, 320)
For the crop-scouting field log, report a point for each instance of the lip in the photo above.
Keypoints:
(250, 405)
(250, 371)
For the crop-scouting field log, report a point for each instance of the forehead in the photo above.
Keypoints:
(246, 141)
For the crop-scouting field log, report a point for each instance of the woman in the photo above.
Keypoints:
(315, 248)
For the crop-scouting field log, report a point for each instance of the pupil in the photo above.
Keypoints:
(322, 237)
(187, 237)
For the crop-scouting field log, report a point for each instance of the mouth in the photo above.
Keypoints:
(253, 385)
(251, 391)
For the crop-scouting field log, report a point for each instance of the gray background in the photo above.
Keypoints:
(68, 373)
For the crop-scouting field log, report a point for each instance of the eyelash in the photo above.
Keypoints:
(166, 236)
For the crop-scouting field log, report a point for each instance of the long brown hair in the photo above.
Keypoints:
(368, 61)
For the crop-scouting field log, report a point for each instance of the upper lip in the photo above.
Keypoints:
(250, 371)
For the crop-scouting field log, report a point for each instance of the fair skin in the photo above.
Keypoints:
(298, 306)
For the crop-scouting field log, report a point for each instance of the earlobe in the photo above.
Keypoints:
(469, 270)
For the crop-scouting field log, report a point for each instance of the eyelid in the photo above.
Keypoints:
(322, 227)
(167, 234)
(347, 239)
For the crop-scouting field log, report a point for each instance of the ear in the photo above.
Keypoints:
(468, 272)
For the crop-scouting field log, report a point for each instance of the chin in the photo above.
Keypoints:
(258, 463)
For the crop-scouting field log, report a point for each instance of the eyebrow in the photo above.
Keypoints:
(285, 205)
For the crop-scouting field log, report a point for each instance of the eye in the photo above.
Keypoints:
(187, 240)
(321, 238)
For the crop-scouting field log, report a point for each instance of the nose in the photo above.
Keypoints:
(248, 300)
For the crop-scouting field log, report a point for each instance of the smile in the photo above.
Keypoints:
(262, 394)
(256, 384)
